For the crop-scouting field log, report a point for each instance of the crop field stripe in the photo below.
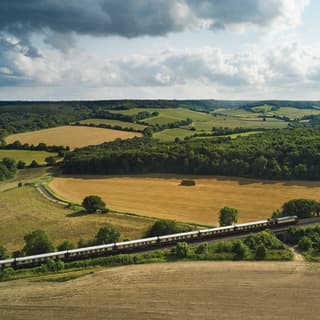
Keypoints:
(72, 136)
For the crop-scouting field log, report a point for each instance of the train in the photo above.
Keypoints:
(147, 243)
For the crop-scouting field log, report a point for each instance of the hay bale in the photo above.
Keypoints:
(188, 183)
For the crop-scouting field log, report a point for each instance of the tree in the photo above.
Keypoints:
(50, 160)
(34, 164)
(147, 132)
(65, 245)
(10, 164)
(182, 250)
(302, 208)
(37, 242)
(228, 216)
(94, 204)
(21, 164)
(106, 235)
(163, 227)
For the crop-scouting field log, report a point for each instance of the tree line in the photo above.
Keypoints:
(274, 154)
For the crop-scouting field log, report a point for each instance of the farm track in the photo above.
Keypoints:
(50, 196)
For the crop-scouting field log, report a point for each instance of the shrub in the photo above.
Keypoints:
(305, 244)
(261, 252)
(202, 248)
(265, 238)
(241, 250)
(224, 246)
(54, 266)
(6, 273)
(182, 250)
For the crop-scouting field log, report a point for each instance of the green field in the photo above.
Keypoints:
(265, 108)
(171, 134)
(236, 113)
(233, 122)
(122, 124)
(290, 112)
(33, 212)
(232, 118)
(26, 155)
(168, 115)
(294, 113)
(232, 136)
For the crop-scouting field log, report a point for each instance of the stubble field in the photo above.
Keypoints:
(162, 196)
(184, 290)
(72, 136)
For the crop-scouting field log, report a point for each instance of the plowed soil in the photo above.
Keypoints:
(192, 290)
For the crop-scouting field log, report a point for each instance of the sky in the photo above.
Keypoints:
(159, 49)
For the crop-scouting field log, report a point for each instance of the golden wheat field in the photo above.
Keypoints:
(72, 136)
(163, 197)
(183, 290)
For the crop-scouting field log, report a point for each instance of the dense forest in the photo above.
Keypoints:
(274, 154)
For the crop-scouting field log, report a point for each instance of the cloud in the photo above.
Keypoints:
(252, 68)
(137, 18)
(18, 67)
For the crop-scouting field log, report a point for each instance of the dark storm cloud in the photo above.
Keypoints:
(134, 18)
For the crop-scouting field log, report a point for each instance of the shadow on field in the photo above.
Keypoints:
(168, 176)
(81, 213)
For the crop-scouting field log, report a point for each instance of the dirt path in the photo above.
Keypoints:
(297, 256)
(193, 290)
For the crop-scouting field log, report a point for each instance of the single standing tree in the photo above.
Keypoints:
(94, 204)
(228, 216)
(162, 227)
(37, 242)
(65, 245)
(106, 235)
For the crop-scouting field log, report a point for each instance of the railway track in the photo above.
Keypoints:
(278, 226)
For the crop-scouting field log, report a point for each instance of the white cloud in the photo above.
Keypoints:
(277, 69)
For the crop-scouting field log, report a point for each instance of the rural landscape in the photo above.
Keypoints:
(159, 159)
(147, 177)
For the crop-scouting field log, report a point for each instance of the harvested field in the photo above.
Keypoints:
(122, 124)
(192, 290)
(72, 136)
(162, 196)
